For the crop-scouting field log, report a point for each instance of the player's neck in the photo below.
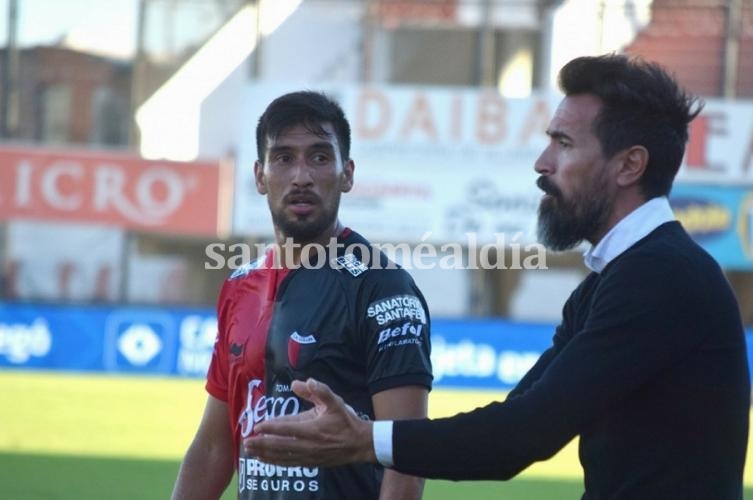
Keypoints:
(290, 251)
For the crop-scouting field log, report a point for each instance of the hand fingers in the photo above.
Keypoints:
(300, 387)
(281, 451)
(318, 393)
(289, 426)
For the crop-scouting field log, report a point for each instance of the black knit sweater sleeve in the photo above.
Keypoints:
(648, 311)
(562, 335)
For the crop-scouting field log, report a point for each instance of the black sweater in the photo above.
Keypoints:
(648, 366)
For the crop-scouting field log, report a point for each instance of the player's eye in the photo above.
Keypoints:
(283, 158)
(320, 158)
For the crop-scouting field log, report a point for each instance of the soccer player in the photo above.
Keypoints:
(648, 365)
(315, 305)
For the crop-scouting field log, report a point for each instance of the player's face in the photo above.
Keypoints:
(575, 177)
(303, 177)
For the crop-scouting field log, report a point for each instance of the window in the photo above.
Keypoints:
(55, 108)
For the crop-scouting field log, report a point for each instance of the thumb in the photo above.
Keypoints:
(301, 389)
(317, 392)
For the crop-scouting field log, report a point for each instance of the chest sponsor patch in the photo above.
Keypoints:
(295, 341)
(396, 309)
(257, 479)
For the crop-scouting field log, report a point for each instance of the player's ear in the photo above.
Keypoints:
(259, 177)
(348, 170)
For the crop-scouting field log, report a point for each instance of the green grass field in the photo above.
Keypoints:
(83, 437)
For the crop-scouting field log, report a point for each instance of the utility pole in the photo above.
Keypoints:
(367, 41)
(138, 72)
(485, 54)
(256, 57)
(9, 95)
(731, 48)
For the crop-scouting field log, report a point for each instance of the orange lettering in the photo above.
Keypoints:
(372, 100)
(536, 121)
(490, 119)
(419, 116)
(697, 137)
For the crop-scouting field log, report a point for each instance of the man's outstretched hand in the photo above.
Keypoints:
(328, 434)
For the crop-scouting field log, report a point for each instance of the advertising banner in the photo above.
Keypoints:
(473, 354)
(436, 163)
(720, 219)
(115, 189)
(105, 339)
(432, 164)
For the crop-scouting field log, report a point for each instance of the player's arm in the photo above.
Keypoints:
(397, 404)
(208, 465)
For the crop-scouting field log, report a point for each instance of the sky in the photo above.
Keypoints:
(108, 27)
(102, 26)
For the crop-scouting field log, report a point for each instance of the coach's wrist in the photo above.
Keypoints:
(365, 443)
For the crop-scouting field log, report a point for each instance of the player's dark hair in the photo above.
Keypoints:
(642, 105)
(307, 108)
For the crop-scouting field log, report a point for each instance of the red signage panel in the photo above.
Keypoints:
(109, 188)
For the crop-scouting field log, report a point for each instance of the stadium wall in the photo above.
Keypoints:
(466, 353)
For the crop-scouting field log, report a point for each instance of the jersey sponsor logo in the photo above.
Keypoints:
(295, 342)
(247, 268)
(255, 475)
(350, 263)
(260, 407)
(409, 333)
(398, 307)
(236, 350)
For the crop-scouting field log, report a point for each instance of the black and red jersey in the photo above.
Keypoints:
(359, 326)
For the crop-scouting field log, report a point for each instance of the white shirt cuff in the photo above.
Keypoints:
(381, 434)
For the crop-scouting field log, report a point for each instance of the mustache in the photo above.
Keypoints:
(546, 185)
(301, 195)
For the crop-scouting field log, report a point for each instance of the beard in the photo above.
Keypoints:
(564, 223)
(308, 228)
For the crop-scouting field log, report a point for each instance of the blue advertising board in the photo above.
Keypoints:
(107, 339)
(473, 354)
(720, 219)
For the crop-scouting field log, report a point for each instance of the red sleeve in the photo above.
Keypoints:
(217, 375)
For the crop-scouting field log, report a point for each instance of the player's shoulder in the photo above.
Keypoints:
(361, 260)
(235, 282)
(246, 269)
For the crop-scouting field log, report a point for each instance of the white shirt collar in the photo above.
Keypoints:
(632, 228)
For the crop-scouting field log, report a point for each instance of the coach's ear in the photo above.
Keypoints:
(632, 166)
(261, 187)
